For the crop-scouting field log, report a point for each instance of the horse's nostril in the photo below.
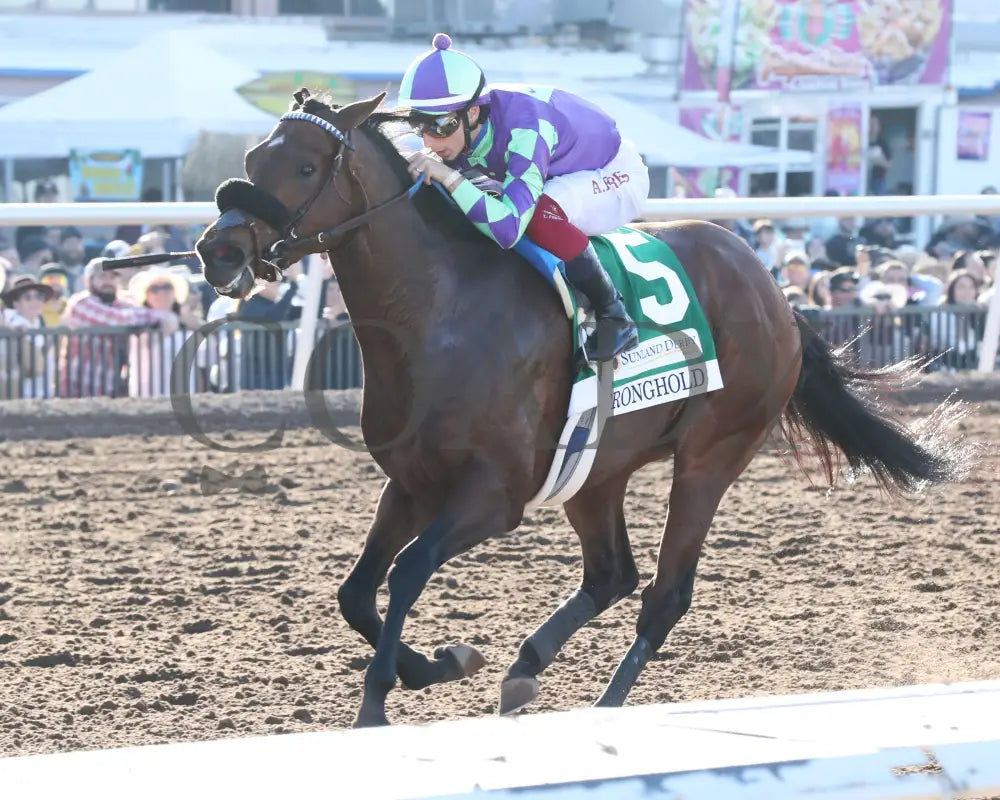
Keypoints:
(224, 255)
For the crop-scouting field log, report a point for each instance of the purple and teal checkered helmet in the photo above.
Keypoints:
(442, 80)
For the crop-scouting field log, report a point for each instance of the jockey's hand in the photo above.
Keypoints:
(432, 168)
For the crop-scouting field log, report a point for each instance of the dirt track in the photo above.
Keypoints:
(134, 609)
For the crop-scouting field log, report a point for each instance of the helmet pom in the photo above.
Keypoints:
(441, 41)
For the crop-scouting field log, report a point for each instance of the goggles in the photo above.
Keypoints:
(438, 127)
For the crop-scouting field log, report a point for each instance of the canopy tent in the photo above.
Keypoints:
(665, 143)
(155, 98)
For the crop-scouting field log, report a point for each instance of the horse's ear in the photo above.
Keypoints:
(350, 116)
(301, 96)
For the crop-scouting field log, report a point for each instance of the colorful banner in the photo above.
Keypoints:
(273, 92)
(973, 140)
(96, 175)
(819, 44)
(843, 149)
(721, 123)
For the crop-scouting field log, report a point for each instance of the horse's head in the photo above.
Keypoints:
(298, 188)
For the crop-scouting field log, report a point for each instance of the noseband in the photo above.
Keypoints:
(238, 199)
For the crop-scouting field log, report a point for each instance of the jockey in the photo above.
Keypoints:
(562, 170)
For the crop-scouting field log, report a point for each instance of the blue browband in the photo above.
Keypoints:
(329, 127)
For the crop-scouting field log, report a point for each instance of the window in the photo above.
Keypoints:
(766, 131)
(798, 184)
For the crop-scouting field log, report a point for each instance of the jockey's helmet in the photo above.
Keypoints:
(442, 80)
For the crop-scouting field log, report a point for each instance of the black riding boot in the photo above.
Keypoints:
(615, 330)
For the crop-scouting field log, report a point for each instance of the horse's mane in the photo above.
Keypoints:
(383, 128)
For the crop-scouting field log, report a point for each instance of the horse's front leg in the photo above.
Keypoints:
(397, 521)
(477, 509)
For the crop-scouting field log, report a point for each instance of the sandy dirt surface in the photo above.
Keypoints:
(136, 609)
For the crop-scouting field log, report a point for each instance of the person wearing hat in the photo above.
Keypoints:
(767, 248)
(843, 288)
(57, 279)
(562, 171)
(26, 297)
(796, 270)
(94, 366)
(152, 353)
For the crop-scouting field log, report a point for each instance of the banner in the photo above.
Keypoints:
(974, 135)
(721, 123)
(273, 92)
(96, 175)
(819, 44)
(843, 149)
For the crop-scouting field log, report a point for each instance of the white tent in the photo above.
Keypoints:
(155, 97)
(665, 143)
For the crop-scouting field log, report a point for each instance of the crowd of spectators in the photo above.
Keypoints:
(70, 328)
(861, 283)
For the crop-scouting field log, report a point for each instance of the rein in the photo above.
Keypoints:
(242, 196)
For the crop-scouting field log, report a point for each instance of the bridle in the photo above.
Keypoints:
(242, 203)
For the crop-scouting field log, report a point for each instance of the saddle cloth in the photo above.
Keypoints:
(675, 357)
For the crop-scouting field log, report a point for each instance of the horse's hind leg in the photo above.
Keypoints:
(609, 574)
(703, 471)
(397, 521)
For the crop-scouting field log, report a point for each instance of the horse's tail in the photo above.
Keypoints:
(836, 406)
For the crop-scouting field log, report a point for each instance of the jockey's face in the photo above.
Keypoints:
(448, 148)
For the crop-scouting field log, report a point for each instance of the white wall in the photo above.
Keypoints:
(955, 176)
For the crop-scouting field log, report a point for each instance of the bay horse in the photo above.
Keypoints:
(467, 375)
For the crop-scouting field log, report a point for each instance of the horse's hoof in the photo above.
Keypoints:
(469, 659)
(370, 721)
(516, 693)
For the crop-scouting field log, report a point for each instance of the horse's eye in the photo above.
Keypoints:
(307, 170)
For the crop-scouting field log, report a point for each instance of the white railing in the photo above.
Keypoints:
(656, 209)
(12, 214)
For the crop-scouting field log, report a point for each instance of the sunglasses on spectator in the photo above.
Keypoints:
(32, 294)
(438, 127)
(160, 287)
(845, 289)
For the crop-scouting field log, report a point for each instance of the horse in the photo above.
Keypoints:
(467, 360)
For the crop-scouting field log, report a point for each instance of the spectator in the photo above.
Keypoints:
(989, 259)
(794, 232)
(57, 279)
(841, 247)
(94, 362)
(35, 361)
(35, 251)
(879, 157)
(816, 248)
(843, 288)
(796, 270)
(844, 329)
(819, 289)
(972, 263)
(880, 231)
(152, 352)
(958, 232)
(767, 249)
(954, 334)
(71, 256)
(265, 348)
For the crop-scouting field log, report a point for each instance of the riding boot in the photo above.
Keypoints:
(615, 330)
